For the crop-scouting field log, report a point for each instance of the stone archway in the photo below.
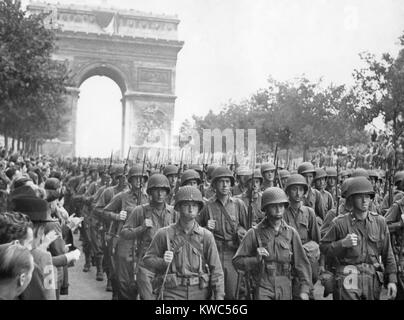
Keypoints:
(135, 49)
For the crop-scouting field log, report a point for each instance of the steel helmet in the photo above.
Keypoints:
(188, 193)
(137, 171)
(331, 172)
(101, 168)
(344, 187)
(210, 170)
(305, 167)
(190, 174)
(319, 173)
(283, 174)
(359, 185)
(360, 172)
(398, 177)
(346, 173)
(170, 169)
(222, 172)
(273, 195)
(117, 170)
(158, 180)
(267, 167)
(296, 179)
(243, 171)
(373, 174)
(196, 167)
(257, 175)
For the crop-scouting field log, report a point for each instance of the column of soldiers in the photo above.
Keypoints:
(209, 232)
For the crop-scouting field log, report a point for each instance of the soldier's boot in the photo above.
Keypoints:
(87, 265)
(100, 273)
(109, 286)
(93, 261)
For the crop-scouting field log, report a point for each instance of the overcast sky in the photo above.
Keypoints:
(232, 46)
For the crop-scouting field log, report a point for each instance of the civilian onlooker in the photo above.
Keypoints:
(16, 268)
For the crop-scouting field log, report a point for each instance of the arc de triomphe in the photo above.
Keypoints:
(135, 49)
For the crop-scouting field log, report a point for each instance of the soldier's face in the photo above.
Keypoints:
(320, 183)
(222, 186)
(275, 211)
(158, 195)
(284, 181)
(269, 175)
(361, 202)
(192, 183)
(331, 181)
(94, 175)
(255, 184)
(188, 210)
(309, 178)
(136, 182)
(243, 180)
(296, 193)
(172, 179)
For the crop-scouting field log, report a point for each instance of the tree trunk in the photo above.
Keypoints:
(6, 140)
(305, 151)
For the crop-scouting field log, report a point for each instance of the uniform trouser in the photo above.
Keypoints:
(110, 258)
(96, 239)
(144, 283)
(296, 285)
(186, 293)
(352, 284)
(124, 278)
(85, 237)
(275, 288)
(226, 255)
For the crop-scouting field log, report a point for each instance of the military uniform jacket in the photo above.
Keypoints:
(134, 228)
(230, 218)
(397, 195)
(285, 250)
(313, 200)
(305, 223)
(373, 241)
(195, 254)
(105, 198)
(256, 206)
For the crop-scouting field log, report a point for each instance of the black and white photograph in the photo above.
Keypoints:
(208, 150)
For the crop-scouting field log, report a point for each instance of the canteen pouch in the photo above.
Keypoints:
(204, 281)
(171, 281)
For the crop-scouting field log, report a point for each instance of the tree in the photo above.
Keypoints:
(380, 86)
(32, 85)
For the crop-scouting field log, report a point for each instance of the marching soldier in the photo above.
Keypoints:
(190, 178)
(185, 255)
(283, 176)
(320, 184)
(116, 213)
(272, 252)
(268, 173)
(395, 221)
(141, 226)
(118, 185)
(398, 193)
(357, 240)
(254, 190)
(171, 172)
(331, 186)
(227, 217)
(312, 197)
(241, 181)
(303, 219)
(209, 191)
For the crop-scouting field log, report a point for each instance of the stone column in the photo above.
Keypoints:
(72, 97)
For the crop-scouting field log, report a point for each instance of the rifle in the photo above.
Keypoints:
(336, 189)
(277, 178)
(202, 185)
(139, 202)
(110, 163)
(127, 162)
(180, 168)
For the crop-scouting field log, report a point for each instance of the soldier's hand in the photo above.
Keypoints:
(391, 291)
(402, 218)
(262, 252)
(211, 224)
(304, 296)
(148, 223)
(350, 240)
(168, 256)
(122, 215)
